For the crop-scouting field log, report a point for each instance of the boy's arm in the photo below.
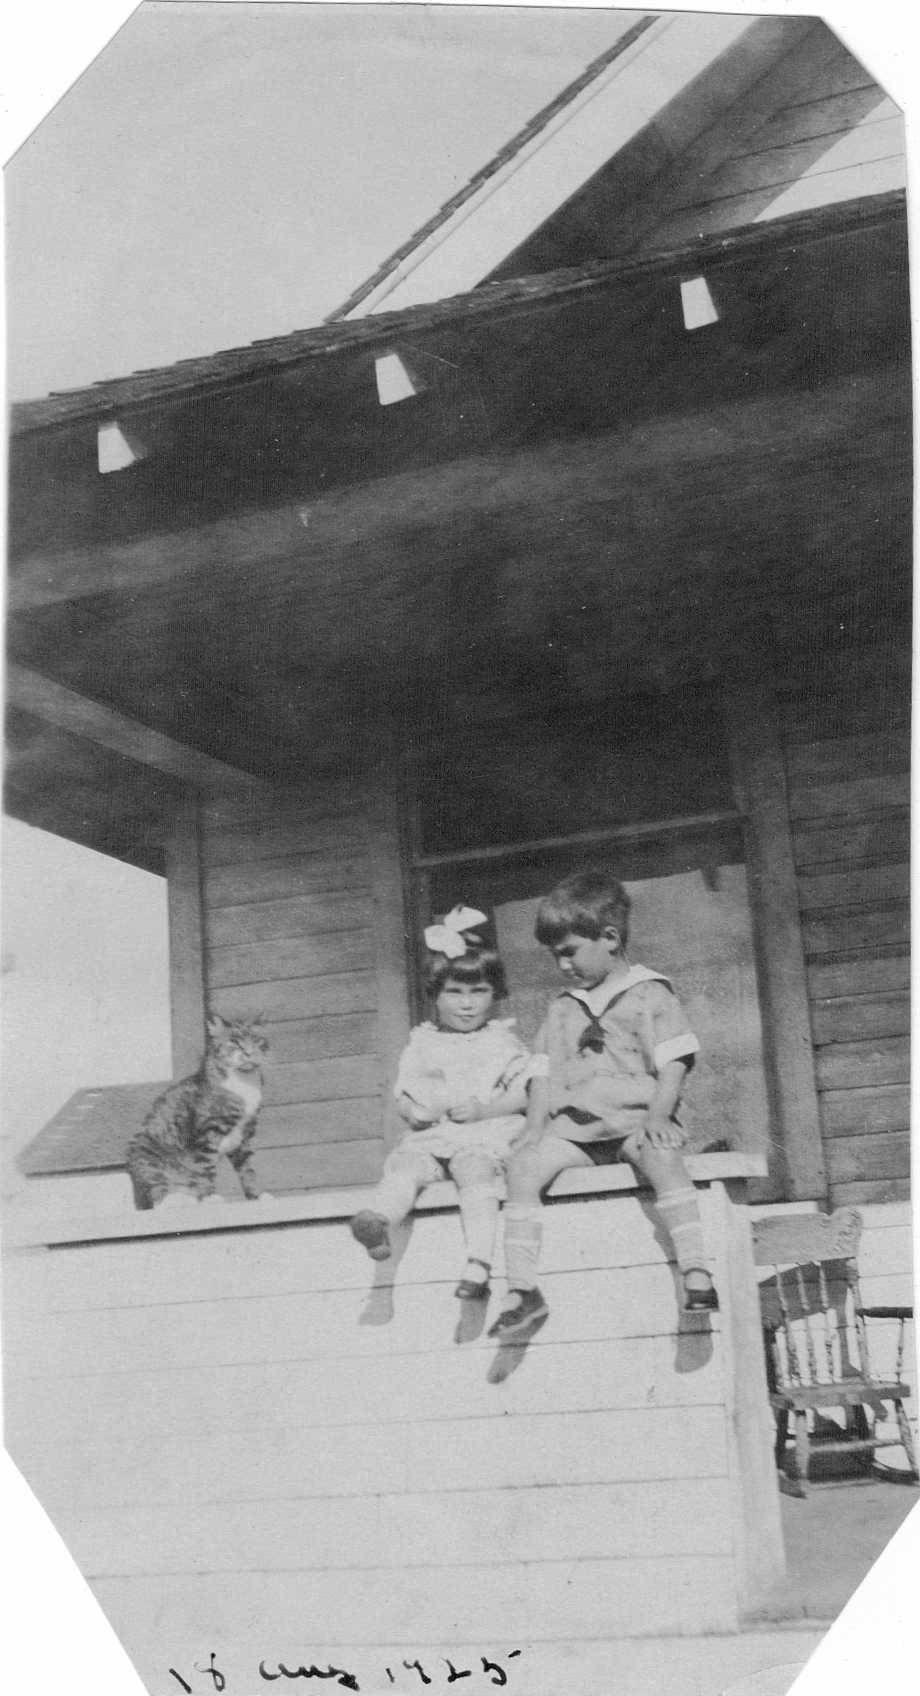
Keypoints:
(512, 1099)
(662, 1131)
(537, 1087)
(511, 1092)
(537, 1110)
(672, 1049)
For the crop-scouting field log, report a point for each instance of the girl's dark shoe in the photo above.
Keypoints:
(529, 1307)
(372, 1231)
(700, 1298)
(474, 1289)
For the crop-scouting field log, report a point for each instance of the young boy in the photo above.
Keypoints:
(616, 1050)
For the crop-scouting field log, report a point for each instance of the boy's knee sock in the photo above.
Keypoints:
(680, 1214)
(479, 1213)
(523, 1239)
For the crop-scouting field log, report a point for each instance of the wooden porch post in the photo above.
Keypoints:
(186, 935)
(759, 776)
(388, 881)
(757, 1533)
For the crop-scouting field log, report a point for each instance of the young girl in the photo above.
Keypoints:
(462, 1090)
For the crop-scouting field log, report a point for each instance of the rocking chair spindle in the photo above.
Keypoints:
(812, 1261)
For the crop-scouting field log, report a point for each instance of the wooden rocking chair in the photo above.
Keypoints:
(814, 1322)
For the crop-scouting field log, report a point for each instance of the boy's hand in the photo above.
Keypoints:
(663, 1133)
(466, 1112)
(528, 1137)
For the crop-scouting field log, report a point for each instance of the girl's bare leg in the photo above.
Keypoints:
(405, 1172)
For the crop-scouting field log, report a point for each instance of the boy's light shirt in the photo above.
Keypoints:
(602, 996)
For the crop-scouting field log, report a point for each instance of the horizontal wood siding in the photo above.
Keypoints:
(285, 1445)
(847, 750)
(291, 931)
(886, 1267)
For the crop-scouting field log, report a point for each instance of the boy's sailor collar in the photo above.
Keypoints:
(605, 993)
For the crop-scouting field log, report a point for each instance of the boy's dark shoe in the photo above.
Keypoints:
(372, 1231)
(529, 1307)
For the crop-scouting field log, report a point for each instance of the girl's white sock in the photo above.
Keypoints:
(479, 1213)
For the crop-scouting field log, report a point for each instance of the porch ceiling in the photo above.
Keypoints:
(586, 500)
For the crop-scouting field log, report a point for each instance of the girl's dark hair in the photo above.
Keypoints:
(583, 904)
(478, 965)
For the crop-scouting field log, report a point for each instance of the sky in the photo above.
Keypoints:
(218, 174)
(225, 172)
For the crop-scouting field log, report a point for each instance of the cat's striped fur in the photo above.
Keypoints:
(196, 1120)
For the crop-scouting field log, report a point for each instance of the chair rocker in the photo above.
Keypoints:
(815, 1331)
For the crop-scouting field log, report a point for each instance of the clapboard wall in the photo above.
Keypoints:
(302, 921)
(255, 1442)
(845, 721)
(886, 1276)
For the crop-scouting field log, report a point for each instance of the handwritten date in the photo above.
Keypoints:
(271, 1671)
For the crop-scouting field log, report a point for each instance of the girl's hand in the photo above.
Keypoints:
(663, 1133)
(419, 1118)
(465, 1112)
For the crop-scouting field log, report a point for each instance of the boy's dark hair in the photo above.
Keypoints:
(585, 903)
(478, 965)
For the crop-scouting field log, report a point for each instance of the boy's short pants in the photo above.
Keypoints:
(609, 1150)
(608, 1153)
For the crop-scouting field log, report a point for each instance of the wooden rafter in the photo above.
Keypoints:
(77, 714)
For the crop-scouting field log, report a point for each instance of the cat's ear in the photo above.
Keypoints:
(215, 1025)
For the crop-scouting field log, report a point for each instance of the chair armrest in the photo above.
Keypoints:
(886, 1312)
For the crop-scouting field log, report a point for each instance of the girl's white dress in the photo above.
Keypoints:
(439, 1069)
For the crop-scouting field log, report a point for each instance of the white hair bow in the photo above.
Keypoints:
(448, 937)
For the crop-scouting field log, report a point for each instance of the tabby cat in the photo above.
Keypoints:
(194, 1121)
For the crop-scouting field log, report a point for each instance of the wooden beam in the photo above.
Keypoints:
(186, 937)
(55, 704)
(759, 776)
(581, 839)
(288, 545)
(794, 76)
(387, 880)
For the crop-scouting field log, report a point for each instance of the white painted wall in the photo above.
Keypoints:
(253, 1441)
